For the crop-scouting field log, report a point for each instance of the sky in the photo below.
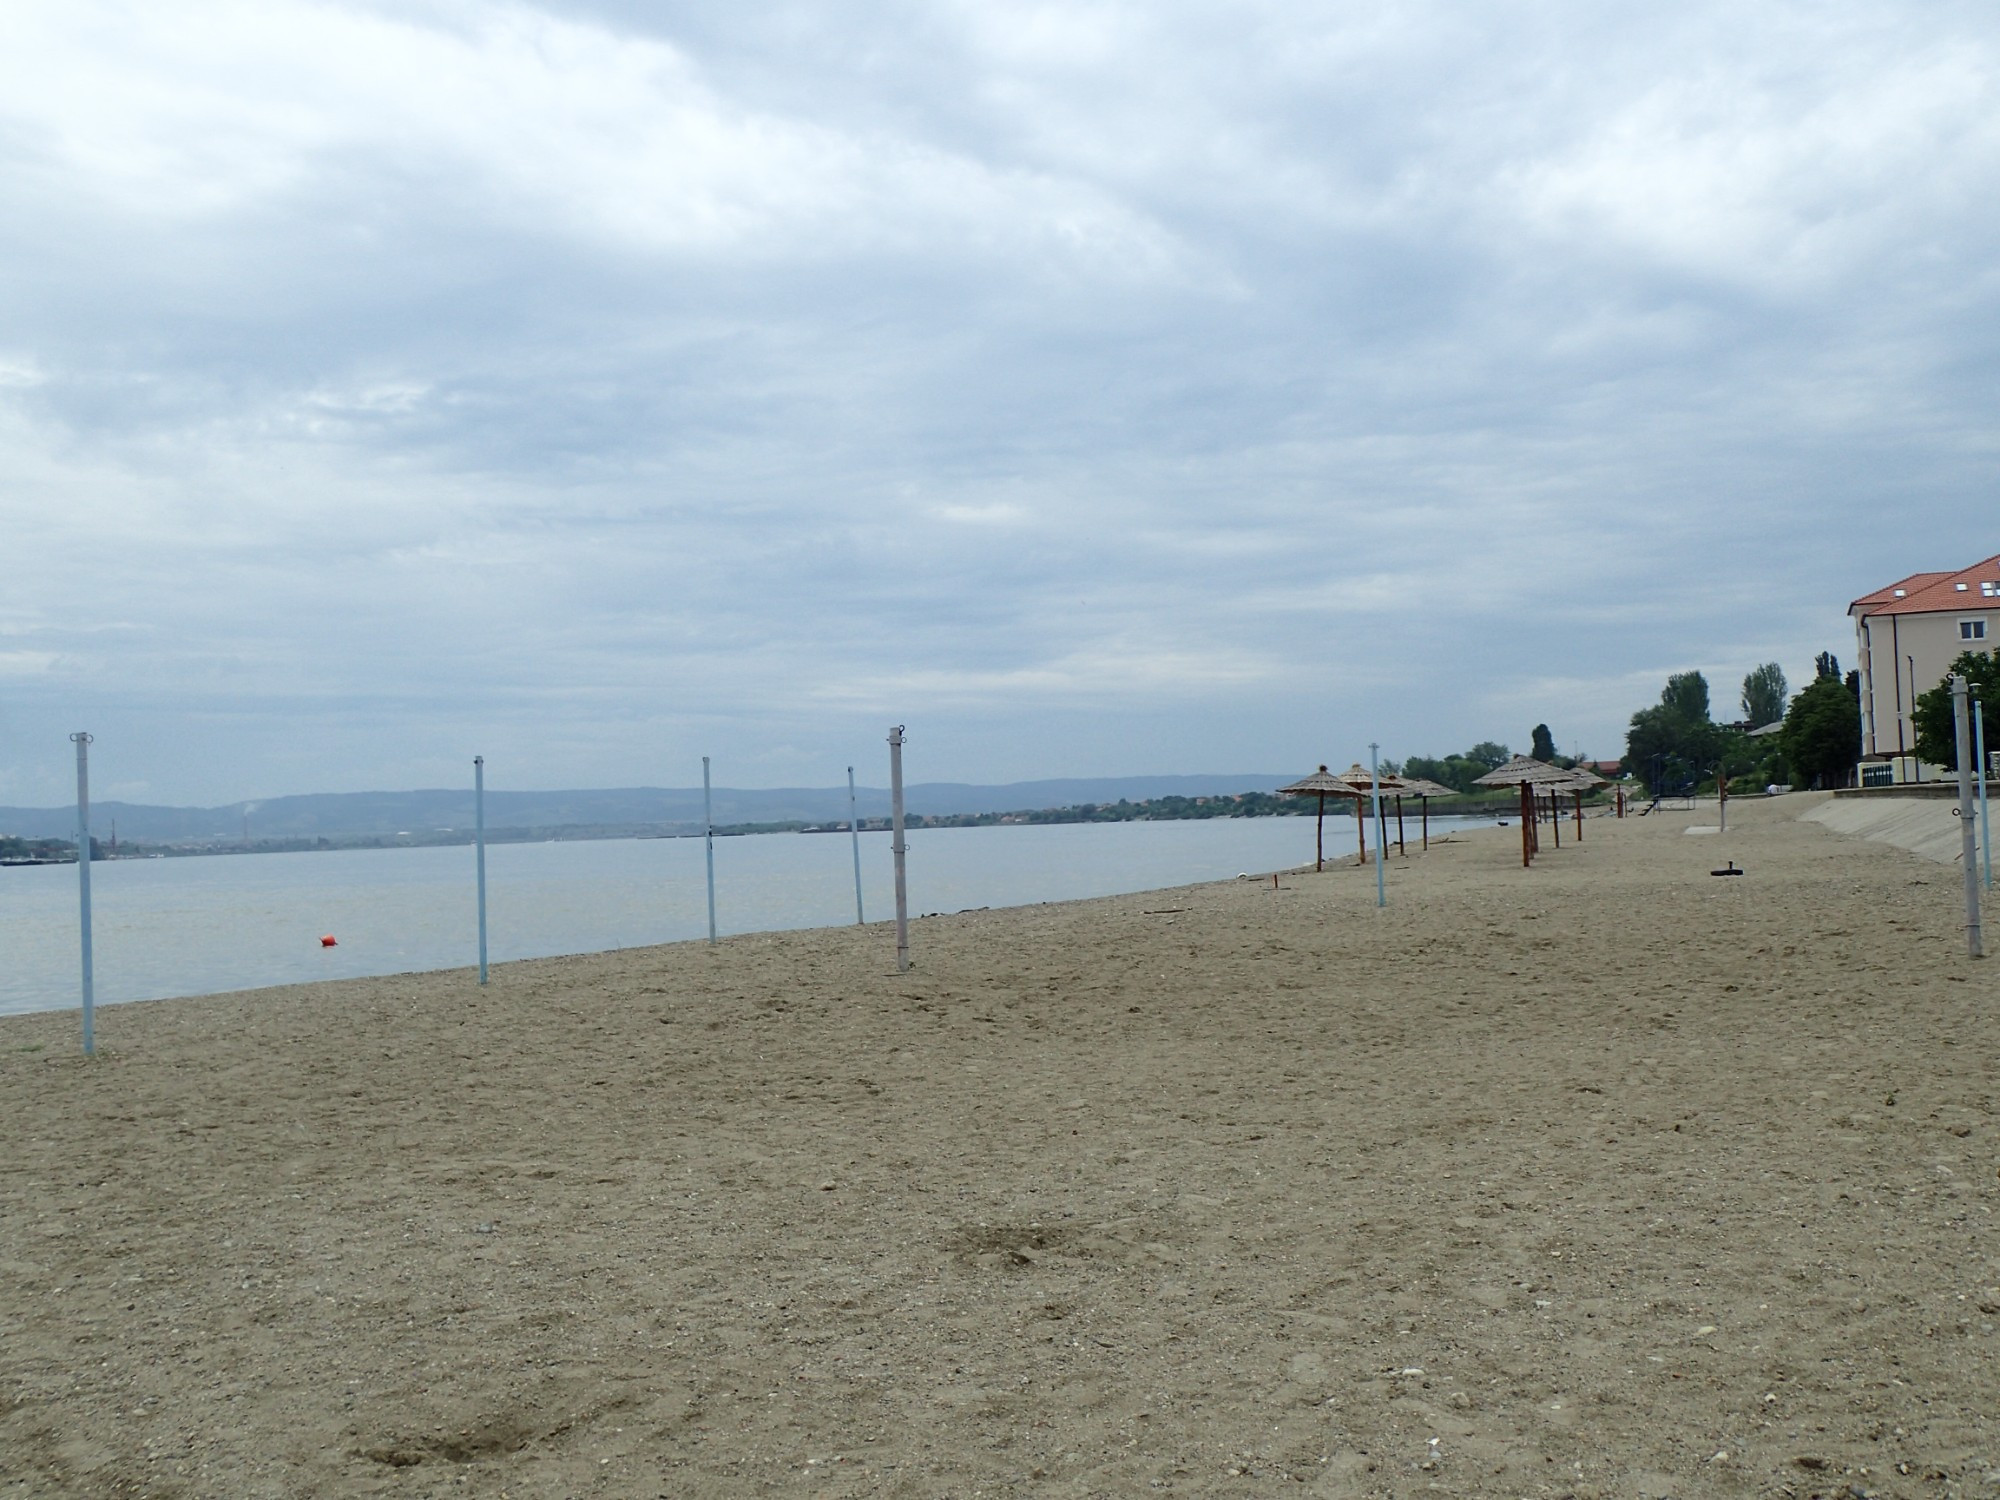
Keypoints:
(1095, 388)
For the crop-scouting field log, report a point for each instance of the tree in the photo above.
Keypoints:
(1826, 664)
(1686, 696)
(1937, 734)
(1673, 744)
(1545, 744)
(1764, 693)
(1822, 734)
(1490, 754)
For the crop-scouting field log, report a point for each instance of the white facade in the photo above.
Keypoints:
(1906, 637)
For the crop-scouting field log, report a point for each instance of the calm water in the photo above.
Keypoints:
(191, 926)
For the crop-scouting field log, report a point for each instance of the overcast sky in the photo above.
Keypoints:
(1096, 388)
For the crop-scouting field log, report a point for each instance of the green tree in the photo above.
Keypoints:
(1673, 742)
(1821, 739)
(1937, 735)
(1545, 744)
(1490, 755)
(1686, 696)
(1764, 693)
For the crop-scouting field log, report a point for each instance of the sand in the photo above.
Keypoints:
(1605, 1178)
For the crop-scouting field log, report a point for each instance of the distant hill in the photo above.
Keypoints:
(326, 814)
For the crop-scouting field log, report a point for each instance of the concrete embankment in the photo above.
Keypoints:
(1926, 826)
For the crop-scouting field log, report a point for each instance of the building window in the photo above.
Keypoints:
(1972, 630)
(1878, 775)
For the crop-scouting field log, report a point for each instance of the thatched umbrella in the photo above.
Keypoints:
(1526, 773)
(1581, 779)
(1423, 791)
(1323, 784)
(1359, 777)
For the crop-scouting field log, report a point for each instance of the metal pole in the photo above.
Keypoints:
(82, 742)
(854, 833)
(1319, 837)
(1916, 765)
(1962, 728)
(1381, 832)
(708, 837)
(899, 848)
(1985, 826)
(479, 843)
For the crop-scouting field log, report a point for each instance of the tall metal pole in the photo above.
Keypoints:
(854, 834)
(708, 824)
(479, 843)
(899, 848)
(1916, 765)
(1381, 832)
(1979, 749)
(83, 887)
(1962, 727)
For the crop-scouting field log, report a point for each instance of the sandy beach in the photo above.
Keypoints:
(1606, 1178)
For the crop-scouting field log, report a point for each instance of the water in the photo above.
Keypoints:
(169, 927)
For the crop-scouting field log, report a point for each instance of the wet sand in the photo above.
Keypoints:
(1605, 1178)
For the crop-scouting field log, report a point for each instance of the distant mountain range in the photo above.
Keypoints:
(327, 814)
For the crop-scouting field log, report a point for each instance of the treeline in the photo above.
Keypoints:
(38, 851)
(1676, 748)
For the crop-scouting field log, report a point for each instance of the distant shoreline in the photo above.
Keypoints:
(1151, 810)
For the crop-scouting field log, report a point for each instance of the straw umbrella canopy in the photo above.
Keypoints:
(1323, 784)
(1526, 773)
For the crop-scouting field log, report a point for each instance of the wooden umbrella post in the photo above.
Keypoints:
(1321, 784)
(1399, 826)
(1555, 820)
(1579, 815)
(1361, 830)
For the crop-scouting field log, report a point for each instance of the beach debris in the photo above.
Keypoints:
(1730, 869)
(328, 940)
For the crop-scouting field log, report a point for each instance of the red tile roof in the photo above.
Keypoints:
(1974, 588)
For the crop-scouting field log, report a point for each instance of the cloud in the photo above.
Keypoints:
(605, 383)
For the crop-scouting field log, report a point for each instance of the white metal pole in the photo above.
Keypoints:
(854, 834)
(1381, 833)
(1962, 739)
(708, 823)
(1985, 826)
(479, 843)
(899, 848)
(83, 887)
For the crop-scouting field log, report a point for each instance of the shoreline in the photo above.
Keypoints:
(1562, 1168)
(107, 914)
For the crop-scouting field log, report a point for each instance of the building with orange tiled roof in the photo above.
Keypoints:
(1908, 634)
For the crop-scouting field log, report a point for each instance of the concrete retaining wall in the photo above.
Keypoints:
(1923, 825)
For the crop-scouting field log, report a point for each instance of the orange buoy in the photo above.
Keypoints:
(328, 941)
